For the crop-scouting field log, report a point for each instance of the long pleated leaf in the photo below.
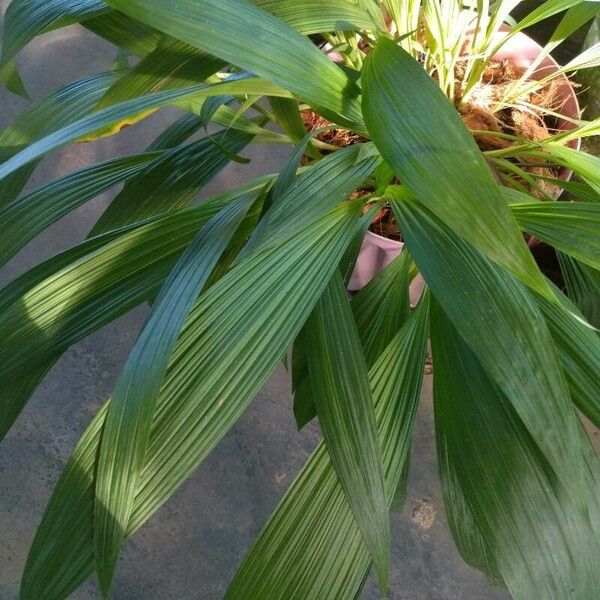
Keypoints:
(235, 335)
(258, 42)
(71, 303)
(500, 321)
(584, 164)
(583, 286)
(382, 307)
(421, 136)
(578, 347)
(172, 180)
(172, 65)
(131, 411)
(474, 548)
(108, 117)
(543, 544)
(175, 64)
(340, 386)
(127, 34)
(24, 218)
(573, 228)
(125, 279)
(41, 118)
(24, 19)
(313, 193)
(314, 16)
(312, 546)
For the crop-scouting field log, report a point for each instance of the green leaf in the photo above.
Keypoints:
(248, 37)
(114, 115)
(583, 286)
(124, 278)
(312, 546)
(25, 19)
(305, 409)
(126, 33)
(65, 305)
(318, 189)
(584, 164)
(547, 9)
(421, 136)
(131, 411)
(172, 180)
(570, 227)
(340, 387)
(24, 218)
(9, 76)
(210, 381)
(172, 65)
(578, 347)
(470, 542)
(16, 393)
(530, 516)
(313, 16)
(500, 321)
(382, 307)
(41, 118)
(288, 117)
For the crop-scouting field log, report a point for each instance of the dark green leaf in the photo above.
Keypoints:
(421, 136)
(41, 118)
(172, 180)
(500, 321)
(578, 347)
(24, 218)
(529, 514)
(583, 286)
(214, 26)
(24, 19)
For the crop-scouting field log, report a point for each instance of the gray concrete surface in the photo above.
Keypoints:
(191, 548)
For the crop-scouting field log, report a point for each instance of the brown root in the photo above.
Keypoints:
(481, 119)
(528, 125)
(336, 137)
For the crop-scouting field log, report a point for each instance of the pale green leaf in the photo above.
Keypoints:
(131, 411)
(340, 388)
(209, 383)
(571, 227)
(312, 546)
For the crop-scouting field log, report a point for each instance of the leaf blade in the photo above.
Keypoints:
(340, 387)
(421, 136)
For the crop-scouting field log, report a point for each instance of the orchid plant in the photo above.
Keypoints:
(237, 281)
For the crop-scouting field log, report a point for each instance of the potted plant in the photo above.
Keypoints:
(236, 280)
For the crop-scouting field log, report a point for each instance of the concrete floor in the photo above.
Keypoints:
(191, 548)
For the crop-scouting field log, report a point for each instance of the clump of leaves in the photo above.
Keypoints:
(236, 280)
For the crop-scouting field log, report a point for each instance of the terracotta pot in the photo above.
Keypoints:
(377, 251)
